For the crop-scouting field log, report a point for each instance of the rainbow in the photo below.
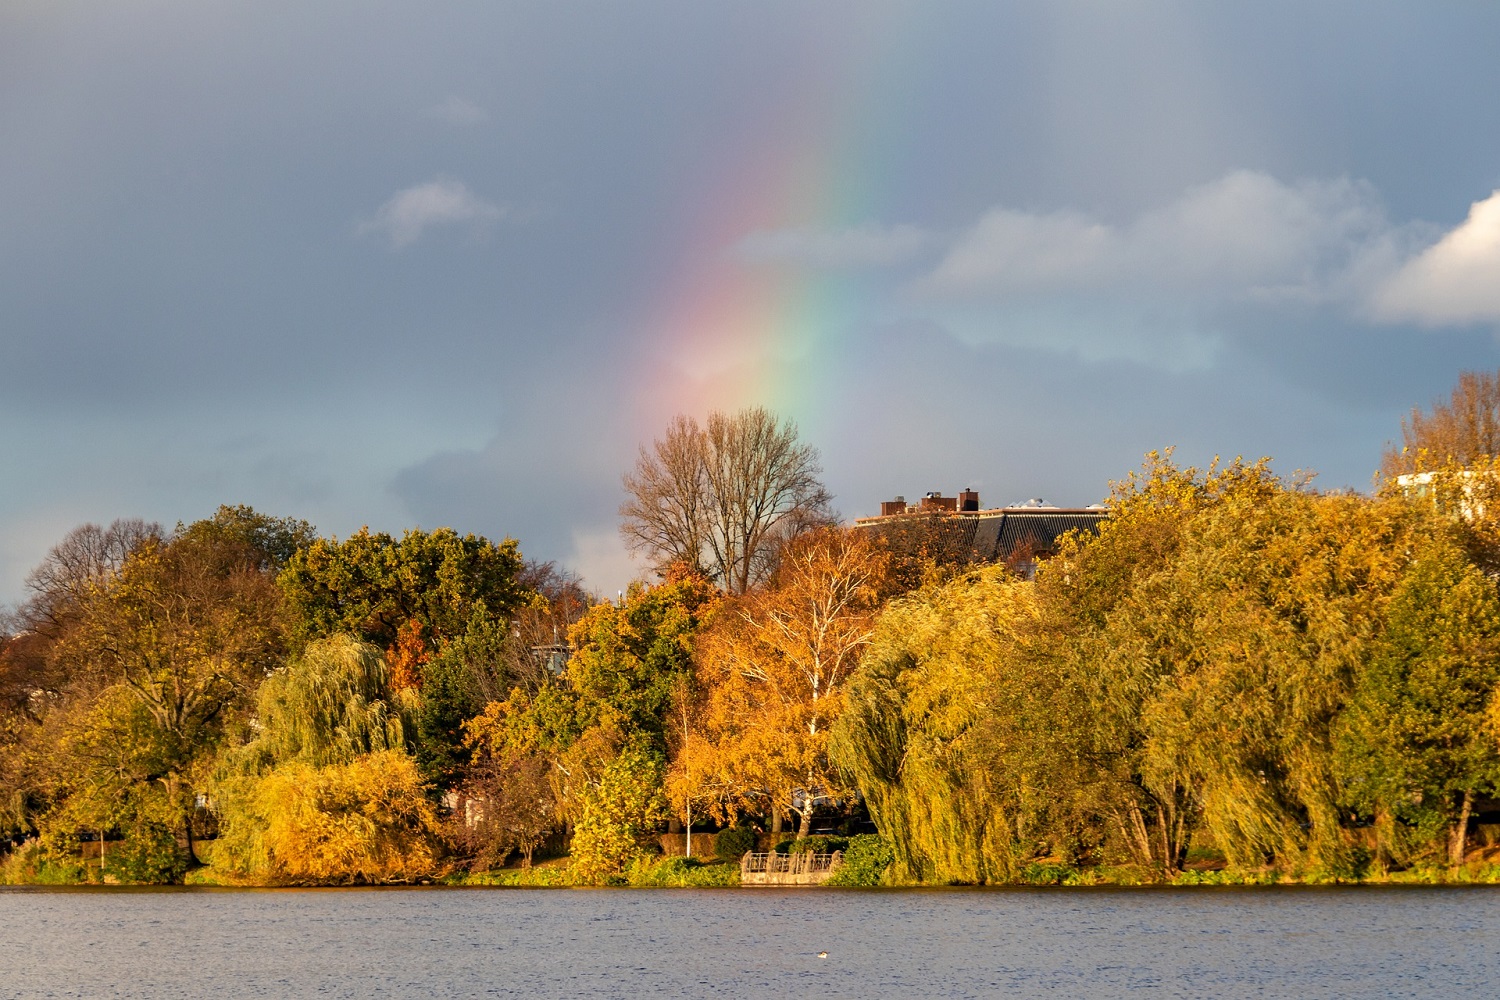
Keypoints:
(728, 332)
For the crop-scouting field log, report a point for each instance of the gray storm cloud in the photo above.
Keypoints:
(404, 265)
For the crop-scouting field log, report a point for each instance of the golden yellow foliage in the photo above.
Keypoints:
(773, 665)
(364, 821)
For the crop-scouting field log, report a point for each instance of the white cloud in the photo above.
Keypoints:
(1020, 251)
(833, 249)
(439, 202)
(1244, 236)
(1454, 281)
(457, 111)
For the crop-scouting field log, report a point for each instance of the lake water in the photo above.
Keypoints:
(763, 944)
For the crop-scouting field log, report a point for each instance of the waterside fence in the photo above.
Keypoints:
(807, 868)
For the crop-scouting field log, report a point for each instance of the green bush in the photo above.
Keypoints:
(31, 864)
(818, 843)
(733, 842)
(149, 855)
(1228, 876)
(535, 877)
(680, 873)
(1048, 873)
(867, 858)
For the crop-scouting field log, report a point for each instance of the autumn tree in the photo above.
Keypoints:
(326, 790)
(76, 567)
(509, 806)
(188, 627)
(35, 670)
(774, 667)
(722, 497)
(1462, 429)
(925, 546)
(538, 645)
(364, 821)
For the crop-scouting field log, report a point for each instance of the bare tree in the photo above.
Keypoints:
(537, 643)
(724, 497)
(1463, 429)
(86, 558)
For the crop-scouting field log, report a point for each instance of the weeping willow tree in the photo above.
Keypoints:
(1416, 746)
(916, 732)
(1235, 662)
(331, 705)
(327, 791)
(1219, 623)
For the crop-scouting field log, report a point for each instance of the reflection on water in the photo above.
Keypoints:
(1363, 942)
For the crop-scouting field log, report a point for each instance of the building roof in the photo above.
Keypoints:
(1000, 534)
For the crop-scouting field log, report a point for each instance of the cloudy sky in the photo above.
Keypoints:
(452, 264)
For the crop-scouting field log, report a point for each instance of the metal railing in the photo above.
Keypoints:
(806, 863)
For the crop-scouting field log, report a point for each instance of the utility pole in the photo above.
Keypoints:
(687, 764)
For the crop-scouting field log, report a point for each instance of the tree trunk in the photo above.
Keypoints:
(805, 827)
(173, 784)
(1180, 840)
(1459, 838)
(1164, 823)
(1142, 838)
(192, 854)
(775, 820)
(1385, 834)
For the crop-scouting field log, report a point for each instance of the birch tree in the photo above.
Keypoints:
(775, 666)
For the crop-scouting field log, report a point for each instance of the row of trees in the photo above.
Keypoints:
(303, 698)
(1281, 677)
(1236, 665)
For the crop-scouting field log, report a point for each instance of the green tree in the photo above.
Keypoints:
(629, 657)
(921, 731)
(435, 602)
(273, 539)
(1416, 739)
(453, 684)
(616, 811)
(1216, 626)
(331, 704)
(373, 585)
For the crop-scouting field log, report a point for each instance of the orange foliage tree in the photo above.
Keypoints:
(771, 671)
